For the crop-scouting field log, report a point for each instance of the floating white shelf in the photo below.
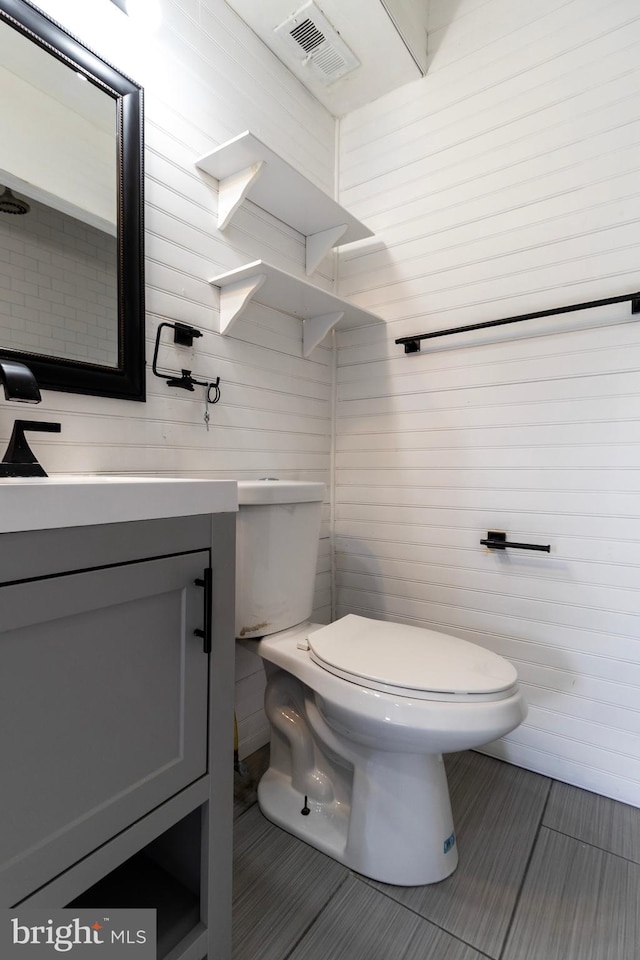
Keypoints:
(319, 311)
(246, 168)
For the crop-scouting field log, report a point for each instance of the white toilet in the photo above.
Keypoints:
(362, 710)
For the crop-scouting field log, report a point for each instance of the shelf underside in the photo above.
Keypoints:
(319, 310)
(247, 169)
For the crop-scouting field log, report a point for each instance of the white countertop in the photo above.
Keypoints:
(47, 503)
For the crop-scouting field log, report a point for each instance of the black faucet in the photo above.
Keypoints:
(20, 384)
(18, 381)
(19, 460)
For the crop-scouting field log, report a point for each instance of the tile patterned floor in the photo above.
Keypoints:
(546, 872)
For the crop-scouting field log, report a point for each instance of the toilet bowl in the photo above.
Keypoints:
(360, 710)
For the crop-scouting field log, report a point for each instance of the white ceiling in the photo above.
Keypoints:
(388, 37)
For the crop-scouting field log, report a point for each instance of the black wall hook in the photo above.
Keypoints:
(496, 540)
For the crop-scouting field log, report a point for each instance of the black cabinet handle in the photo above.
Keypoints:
(207, 583)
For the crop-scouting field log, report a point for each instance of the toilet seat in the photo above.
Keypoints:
(410, 661)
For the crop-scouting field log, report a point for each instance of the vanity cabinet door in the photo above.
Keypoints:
(103, 708)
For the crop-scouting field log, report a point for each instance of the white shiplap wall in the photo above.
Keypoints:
(207, 78)
(504, 182)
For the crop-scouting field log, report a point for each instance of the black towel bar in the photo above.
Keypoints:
(412, 344)
(498, 541)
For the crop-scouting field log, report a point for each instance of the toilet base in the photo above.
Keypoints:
(324, 827)
(396, 827)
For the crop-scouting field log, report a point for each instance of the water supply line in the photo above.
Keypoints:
(238, 765)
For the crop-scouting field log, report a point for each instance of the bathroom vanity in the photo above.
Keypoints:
(116, 698)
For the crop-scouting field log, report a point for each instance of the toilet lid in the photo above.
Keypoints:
(410, 661)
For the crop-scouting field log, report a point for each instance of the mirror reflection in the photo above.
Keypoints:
(58, 292)
(58, 209)
(71, 255)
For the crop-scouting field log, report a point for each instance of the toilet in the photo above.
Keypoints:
(361, 710)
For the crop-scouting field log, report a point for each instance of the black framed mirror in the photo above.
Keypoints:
(71, 211)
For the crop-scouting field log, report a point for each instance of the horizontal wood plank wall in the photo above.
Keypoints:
(504, 182)
(207, 78)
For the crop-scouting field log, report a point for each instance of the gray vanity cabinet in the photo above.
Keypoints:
(105, 698)
(103, 685)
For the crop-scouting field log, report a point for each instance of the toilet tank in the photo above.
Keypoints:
(277, 532)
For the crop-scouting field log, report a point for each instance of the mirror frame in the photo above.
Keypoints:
(127, 380)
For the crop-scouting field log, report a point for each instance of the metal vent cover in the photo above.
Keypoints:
(308, 37)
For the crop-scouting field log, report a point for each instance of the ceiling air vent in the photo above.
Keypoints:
(309, 38)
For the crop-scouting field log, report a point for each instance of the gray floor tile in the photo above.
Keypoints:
(577, 903)
(597, 820)
(497, 810)
(360, 923)
(280, 886)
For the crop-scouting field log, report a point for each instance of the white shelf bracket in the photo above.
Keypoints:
(319, 244)
(235, 297)
(233, 190)
(315, 329)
